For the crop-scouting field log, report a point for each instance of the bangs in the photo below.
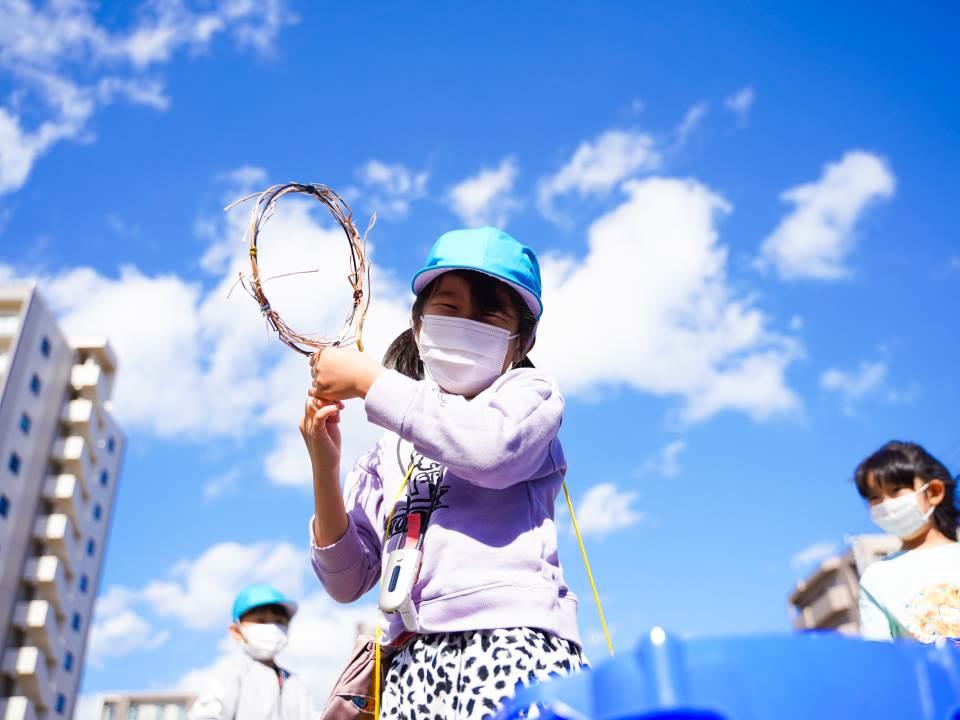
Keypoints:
(890, 467)
(491, 295)
(488, 295)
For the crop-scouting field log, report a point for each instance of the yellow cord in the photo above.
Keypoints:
(593, 585)
(376, 676)
(376, 648)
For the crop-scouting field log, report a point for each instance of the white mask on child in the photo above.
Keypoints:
(901, 516)
(462, 356)
(263, 641)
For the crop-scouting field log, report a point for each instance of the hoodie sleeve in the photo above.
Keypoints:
(503, 436)
(221, 692)
(351, 566)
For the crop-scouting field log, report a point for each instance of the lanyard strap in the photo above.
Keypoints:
(593, 585)
(376, 647)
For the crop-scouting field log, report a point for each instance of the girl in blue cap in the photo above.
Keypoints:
(454, 507)
(252, 686)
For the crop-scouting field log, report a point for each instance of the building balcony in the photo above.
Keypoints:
(58, 534)
(829, 610)
(9, 325)
(37, 620)
(90, 382)
(74, 455)
(17, 708)
(49, 580)
(66, 494)
(28, 670)
(81, 418)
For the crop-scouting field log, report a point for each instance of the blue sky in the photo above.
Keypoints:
(749, 245)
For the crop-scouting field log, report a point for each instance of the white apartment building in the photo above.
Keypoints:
(146, 706)
(60, 459)
(828, 598)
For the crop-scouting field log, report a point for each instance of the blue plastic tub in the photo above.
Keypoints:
(811, 676)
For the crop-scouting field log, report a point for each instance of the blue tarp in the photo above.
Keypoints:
(810, 676)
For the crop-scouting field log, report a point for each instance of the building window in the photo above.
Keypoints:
(61, 703)
(35, 385)
(75, 621)
(68, 662)
(4, 506)
(91, 547)
(111, 445)
(45, 346)
(25, 424)
(14, 463)
(104, 478)
(84, 582)
(97, 511)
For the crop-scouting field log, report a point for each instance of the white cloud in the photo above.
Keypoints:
(605, 509)
(122, 634)
(484, 199)
(649, 306)
(200, 592)
(140, 92)
(740, 104)
(597, 166)
(392, 188)
(906, 396)
(813, 555)
(64, 64)
(118, 630)
(217, 486)
(690, 122)
(854, 385)
(666, 462)
(814, 240)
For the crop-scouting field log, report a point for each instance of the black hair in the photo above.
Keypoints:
(487, 295)
(898, 464)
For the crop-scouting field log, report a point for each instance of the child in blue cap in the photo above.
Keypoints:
(252, 686)
(454, 507)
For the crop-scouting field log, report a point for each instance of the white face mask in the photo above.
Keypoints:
(462, 356)
(901, 516)
(263, 641)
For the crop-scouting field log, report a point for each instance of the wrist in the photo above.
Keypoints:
(323, 466)
(371, 371)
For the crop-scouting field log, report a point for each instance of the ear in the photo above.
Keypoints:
(235, 633)
(936, 491)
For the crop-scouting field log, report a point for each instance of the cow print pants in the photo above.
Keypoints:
(470, 675)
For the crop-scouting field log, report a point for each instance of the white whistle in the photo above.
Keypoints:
(399, 576)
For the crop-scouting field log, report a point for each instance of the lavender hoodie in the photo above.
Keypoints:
(490, 551)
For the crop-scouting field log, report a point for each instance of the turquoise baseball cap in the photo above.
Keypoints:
(259, 595)
(490, 251)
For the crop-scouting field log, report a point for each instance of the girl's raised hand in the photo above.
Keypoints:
(320, 428)
(342, 373)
